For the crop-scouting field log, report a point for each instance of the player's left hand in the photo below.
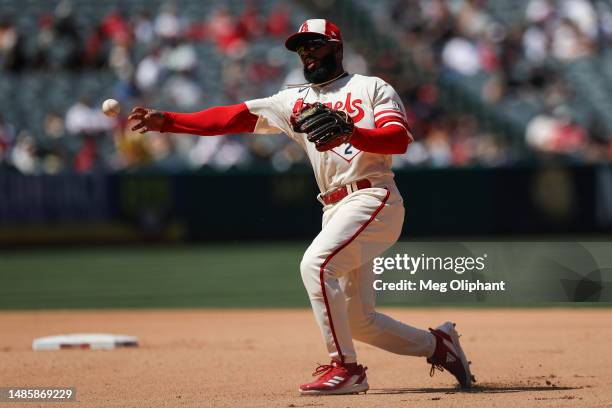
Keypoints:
(325, 127)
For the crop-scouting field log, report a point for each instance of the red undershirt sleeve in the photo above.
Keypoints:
(390, 139)
(219, 120)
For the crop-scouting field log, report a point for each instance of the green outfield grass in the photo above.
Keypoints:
(231, 275)
(235, 275)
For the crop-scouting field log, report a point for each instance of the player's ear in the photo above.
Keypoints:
(339, 51)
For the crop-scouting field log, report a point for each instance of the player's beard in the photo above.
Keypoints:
(323, 72)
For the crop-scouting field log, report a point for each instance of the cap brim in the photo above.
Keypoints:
(294, 40)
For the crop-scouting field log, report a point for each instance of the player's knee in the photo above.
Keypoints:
(310, 269)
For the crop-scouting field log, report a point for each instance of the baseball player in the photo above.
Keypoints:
(349, 125)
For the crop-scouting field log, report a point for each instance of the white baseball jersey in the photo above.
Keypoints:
(370, 101)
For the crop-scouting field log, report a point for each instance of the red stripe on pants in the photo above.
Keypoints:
(334, 253)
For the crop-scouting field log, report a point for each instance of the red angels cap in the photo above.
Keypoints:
(314, 28)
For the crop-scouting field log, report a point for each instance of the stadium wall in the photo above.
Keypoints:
(210, 206)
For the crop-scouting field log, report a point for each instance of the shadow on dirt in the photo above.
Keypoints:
(477, 389)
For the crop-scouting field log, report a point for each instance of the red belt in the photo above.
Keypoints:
(339, 193)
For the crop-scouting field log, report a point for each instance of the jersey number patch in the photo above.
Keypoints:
(347, 151)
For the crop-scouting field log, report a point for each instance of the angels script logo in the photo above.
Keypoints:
(354, 107)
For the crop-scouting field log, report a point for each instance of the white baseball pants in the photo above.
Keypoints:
(337, 273)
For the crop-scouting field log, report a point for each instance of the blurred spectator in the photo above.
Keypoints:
(460, 55)
(119, 60)
(132, 149)
(582, 14)
(149, 71)
(220, 153)
(556, 133)
(278, 23)
(438, 146)
(232, 76)
(604, 15)
(23, 155)
(144, 28)
(179, 56)
(66, 49)
(287, 157)
(53, 148)
(11, 52)
(116, 28)
(126, 91)
(95, 54)
(261, 70)
(204, 150)
(489, 150)
(164, 153)
(183, 91)
(7, 136)
(568, 42)
(539, 11)
(473, 18)
(83, 118)
(54, 126)
(222, 29)
(536, 44)
(250, 23)
(167, 23)
(87, 158)
(44, 41)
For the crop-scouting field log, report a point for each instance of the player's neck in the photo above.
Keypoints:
(340, 73)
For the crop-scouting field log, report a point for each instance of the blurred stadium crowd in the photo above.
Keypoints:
(542, 64)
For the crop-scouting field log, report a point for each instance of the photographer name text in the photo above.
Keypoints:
(456, 285)
(422, 263)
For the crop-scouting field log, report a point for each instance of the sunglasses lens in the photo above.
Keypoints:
(311, 45)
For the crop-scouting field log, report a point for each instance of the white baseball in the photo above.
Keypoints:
(111, 108)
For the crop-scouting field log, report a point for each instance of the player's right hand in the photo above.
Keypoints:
(147, 120)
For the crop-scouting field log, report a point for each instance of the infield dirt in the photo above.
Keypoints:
(257, 358)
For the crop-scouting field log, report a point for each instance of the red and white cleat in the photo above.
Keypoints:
(449, 355)
(337, 378)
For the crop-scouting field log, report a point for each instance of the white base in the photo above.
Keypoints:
(87, 341)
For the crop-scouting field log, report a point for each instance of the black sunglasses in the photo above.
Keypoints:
(311, 45)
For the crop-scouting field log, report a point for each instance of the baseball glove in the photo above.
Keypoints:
(325, 127)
